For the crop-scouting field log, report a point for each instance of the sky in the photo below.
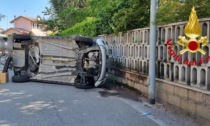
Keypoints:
(30, 8)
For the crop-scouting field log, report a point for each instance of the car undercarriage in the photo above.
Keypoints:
(74, 60)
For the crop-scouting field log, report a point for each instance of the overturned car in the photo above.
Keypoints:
(75, 60)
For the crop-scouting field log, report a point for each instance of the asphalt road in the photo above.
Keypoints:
(40, 104)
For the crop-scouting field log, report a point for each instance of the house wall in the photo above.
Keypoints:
(23, 23)
(1, 30)
(184, 86)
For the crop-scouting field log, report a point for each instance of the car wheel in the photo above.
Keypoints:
(89, 83)
(20, 78)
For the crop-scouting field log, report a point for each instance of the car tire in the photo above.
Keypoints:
(20, 78)
(6, 65)
(83, 86)
(87, 85)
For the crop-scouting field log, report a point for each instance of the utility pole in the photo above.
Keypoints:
(152, 58)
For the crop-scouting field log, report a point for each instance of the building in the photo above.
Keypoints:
(1, 30)
(26, 25)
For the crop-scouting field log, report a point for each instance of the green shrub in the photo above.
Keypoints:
(88, 27)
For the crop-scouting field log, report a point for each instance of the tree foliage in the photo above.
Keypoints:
(131, 14)
(170, 11)
(118, 15)
(112, 15)
(88, 27)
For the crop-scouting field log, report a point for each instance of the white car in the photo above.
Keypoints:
(75, 60)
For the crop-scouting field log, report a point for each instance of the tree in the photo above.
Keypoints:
(170, 11)
(53, 23)
(66, 13)
(131, 14)
(112, 15)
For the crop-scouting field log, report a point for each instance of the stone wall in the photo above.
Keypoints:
(184, 86)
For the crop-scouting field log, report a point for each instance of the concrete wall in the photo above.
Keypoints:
(184, 86)
(192, 101)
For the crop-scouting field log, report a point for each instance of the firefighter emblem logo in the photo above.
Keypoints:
(193, 41)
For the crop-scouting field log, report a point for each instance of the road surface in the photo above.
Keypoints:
(41, 104)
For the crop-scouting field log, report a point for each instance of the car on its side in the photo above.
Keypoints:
(75, 60)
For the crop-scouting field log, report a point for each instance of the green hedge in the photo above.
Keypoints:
(88, 27)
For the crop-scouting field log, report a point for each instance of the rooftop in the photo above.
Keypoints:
(28, 18)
